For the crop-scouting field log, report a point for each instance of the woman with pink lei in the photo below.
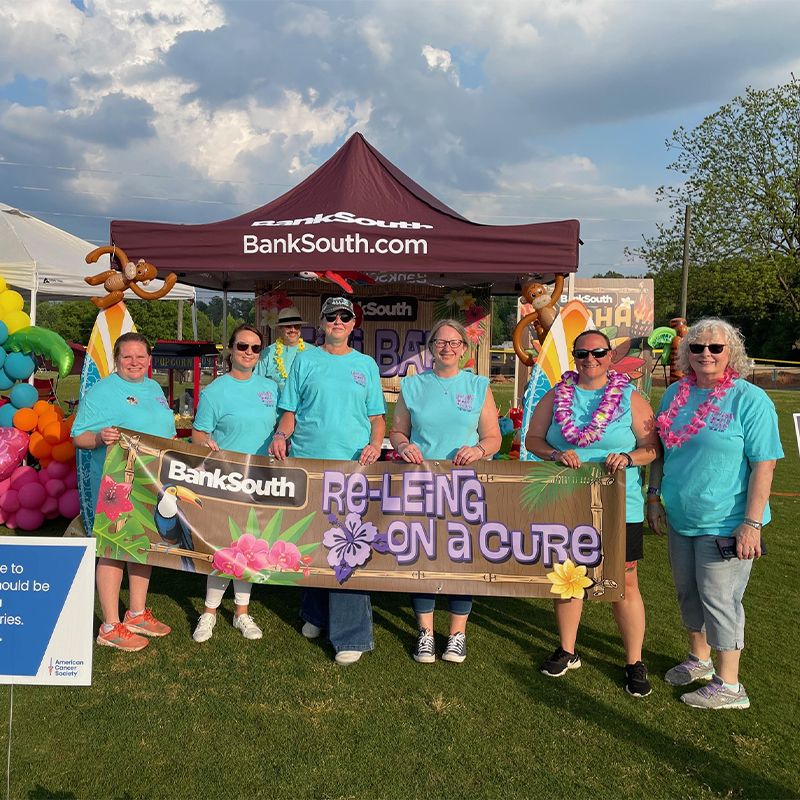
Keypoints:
(595, 415)
(721, 442)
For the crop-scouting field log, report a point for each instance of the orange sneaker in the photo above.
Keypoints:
(121, 638)
(145, 624)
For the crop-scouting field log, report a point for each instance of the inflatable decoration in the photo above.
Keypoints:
(544, 314)
(681, 328)
(115, 282)
(42, 342)
(11, 313)
(339, 278)
(662, 338)
(13, 446)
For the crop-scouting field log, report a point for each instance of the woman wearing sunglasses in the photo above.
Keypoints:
(333, 408)
(721, 442)
(446, 413)
(237, 412)
(595, 415)
(276, 361)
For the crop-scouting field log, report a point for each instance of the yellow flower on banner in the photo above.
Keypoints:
(460, 299)
(568, 580)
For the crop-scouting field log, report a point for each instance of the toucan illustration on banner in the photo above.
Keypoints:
(171, 523)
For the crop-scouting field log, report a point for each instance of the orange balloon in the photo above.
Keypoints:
(56, 432)
(38, 447)
(45, 420)
(41, 407)
(59, 411)
(25, 419)
(65, 451)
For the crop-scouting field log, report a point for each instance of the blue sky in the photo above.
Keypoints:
(196, 110)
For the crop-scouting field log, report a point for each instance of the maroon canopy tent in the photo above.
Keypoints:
(355, 212)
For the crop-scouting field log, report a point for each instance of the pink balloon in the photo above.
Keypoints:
(29, 519)
(32, 495)
(50, 508)
(10, 501)
(11, 521)
(13, 447)
(71, 480)
(55, 487)
(69, 504)
(59, 469)
(22, 475)
(5, 485)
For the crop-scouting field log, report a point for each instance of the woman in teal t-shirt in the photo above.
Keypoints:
(450, 414)
(721, 442)
(130, 399)
(237, 412)
(595, 415)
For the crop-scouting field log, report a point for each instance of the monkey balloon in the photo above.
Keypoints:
(115, 282)
(542, 317)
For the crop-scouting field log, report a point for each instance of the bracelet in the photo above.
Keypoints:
(279, 433)
(554, 455)
(627, 457)
(480, 447)
(653, 491)
(752, 523)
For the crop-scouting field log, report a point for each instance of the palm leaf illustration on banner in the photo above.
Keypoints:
(550, 482)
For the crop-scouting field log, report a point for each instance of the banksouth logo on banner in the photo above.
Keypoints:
(493, 527)
(46, 610)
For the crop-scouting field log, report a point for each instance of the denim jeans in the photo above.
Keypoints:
(346, 615)
(710, 589)
(460, 604)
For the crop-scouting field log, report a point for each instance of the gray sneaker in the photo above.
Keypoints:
(205, 627)
(689, 671)
(717, 695)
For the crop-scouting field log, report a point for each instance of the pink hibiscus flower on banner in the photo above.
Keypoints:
(475, 332)
(114, 498)
(284, 556)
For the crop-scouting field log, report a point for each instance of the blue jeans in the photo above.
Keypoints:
(346, 615)
(710, 589)
(460, 604)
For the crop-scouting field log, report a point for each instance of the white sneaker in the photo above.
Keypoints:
(205, 627)
(311, 631)
(246, 624)
(345, 657)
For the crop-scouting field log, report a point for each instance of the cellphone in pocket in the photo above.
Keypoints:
(727, 546)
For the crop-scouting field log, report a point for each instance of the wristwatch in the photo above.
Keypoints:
(752, 523)
(554, 454)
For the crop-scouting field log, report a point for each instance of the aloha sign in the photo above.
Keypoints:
(493, 528)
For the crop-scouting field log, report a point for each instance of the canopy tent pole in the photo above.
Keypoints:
(33, 298)
(180, 320)
(225, 317)
(194, 320)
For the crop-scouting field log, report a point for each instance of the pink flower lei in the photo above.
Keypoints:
(664, 421)
(603, 414)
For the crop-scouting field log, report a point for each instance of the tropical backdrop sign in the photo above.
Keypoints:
(492, 528)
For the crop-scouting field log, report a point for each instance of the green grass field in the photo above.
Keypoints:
(277, 719)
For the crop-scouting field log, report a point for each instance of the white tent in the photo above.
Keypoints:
(46, 260)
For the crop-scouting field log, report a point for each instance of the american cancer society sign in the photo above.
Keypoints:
(46, 610)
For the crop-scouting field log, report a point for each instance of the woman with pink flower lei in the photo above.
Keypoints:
(595, 415)
(238, 412)
(721, 443)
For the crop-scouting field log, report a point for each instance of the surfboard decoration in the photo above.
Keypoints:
(555, 358)
(110, 324)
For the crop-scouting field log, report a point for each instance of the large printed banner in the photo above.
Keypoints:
(492, 528)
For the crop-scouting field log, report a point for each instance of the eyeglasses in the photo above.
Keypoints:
(291, 327)
(344, 316)
(598, 353)
(696, 348)
(453, 344)
(243, 347)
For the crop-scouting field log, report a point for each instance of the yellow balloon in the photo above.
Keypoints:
(16, 320)
(3, 284)
(11, 301)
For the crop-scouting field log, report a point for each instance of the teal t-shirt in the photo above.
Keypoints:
(618, 437)
(112, 401)
(267, 367)
(705, 481)
(444, 411)
(332, 398)
(239, 415)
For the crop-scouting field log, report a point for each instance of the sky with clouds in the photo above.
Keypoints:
(509, 111)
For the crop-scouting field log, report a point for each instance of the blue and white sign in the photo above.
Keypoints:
(46, 610)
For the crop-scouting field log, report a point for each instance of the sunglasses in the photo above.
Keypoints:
(696, 348)
(243, 347)
(598, 352)
(344, 316)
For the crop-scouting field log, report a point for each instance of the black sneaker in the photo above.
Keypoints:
(425, 652)
(636, 682)
(456, 650)
(559, 663)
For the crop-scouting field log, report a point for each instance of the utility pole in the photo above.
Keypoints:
(687, 225)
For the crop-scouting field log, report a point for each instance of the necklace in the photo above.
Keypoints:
(301, 345)
(442, 385)
(664, 422)
(601, 416)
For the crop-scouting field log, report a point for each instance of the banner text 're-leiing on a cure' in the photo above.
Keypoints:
(492, 528)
